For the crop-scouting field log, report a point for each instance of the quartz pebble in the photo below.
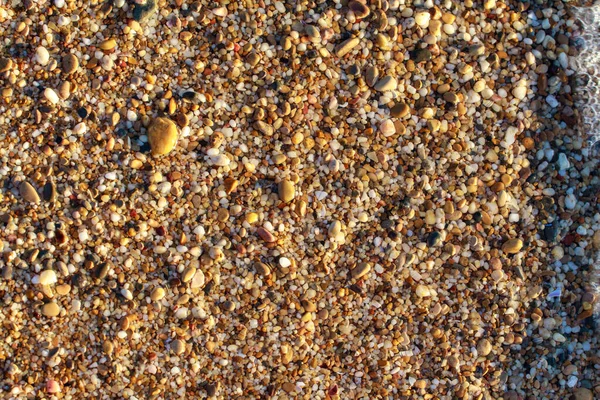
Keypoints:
(361, 270)
(386, 83)
(42, 56)
(48, 277)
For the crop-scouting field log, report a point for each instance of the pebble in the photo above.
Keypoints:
(434, 239)
(50, 309)
(198, 280)
(399, 110)
(143, 12)
(162, 136)
(48, 277)
(265, 235)
(387, 128)
(42, 56)
(178, 346)
(6, 64)
(512, 246)
(422, 291)
(262, 269)
(421, 55)
(157, 294)
(484, 347)
(346, 47)
(361, 270)
(188, 273)
(52, 386)
(519, 92)
(583, 394)
(386, 83)
(264, 128)
(51, 96)
(28, 193)
(286, 190)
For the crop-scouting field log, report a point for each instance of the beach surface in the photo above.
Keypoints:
(301, 199)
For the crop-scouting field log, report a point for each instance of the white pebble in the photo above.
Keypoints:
(51, 96)
(42, 56)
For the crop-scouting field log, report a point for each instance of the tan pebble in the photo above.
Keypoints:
(108, 347)
(309, 306)
(386, 83)
(262, 268)
(387, 128)
(231, 185)
(497, 275)
(199, 280)
(289, 387)
(484, 347)
(63, 289)
(286, 190)
(361, 270)
(28, 193)
(188, 274)
(157, 294)
(346, 47)
(421, 384)
(422, 291)
(178, 346)
(50, 309)
(512, 246)
(108, 44)
(48, 277)
(162, 135)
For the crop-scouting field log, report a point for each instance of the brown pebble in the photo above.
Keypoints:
(28, 193)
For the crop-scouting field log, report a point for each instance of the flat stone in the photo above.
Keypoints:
(5, 64)
(47, 277)
(359, 9)
(162, 135)
(422, 291)
(583, 394)
(49, 192)
(157, 294)
(346, 46)
(188, 274)
(484, 347)
(198, 280)
(371, 75)
(142, 12)
(361, 270)
(386, 83)
(70, 64)
(50, 309)
(265, 235)
(399, 110)
(28, 193)
(264, 128)
(512, 246)
(286, 190)
(178, 346)
(262, 268)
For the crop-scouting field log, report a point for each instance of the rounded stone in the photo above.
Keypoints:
(70, 63)
(157, 294)
(386, 83)
(48, 277)
(512, 246)
(361, 270)
(50, 309)
(162, 135)
(484, 347)
(28, 193)
(286, 190)
(178, 346)
(262, 268)
(399, 110)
